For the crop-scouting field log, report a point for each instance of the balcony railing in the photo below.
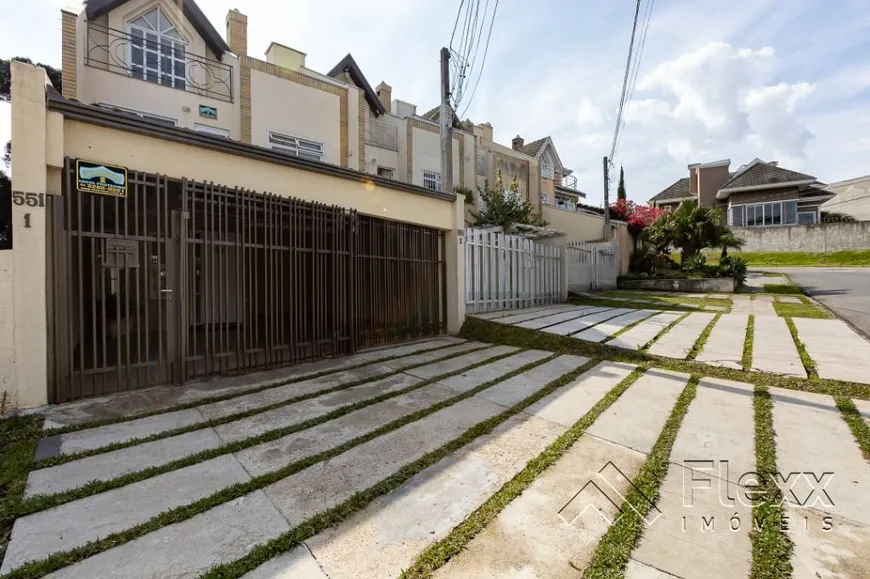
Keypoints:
(569, 182)
(160, 63)
(382, 135)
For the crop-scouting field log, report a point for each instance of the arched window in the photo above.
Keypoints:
(157, 50)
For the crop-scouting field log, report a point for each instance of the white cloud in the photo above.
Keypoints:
(588, 114)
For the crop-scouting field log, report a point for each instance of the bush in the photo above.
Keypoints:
(642, 261)
(465, 192)
(735, 268)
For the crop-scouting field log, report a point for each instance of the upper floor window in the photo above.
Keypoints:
(432, 180)
(212, 130)
(545, 198)
(311, 150)
(157, 50)
(155, 118)
(547, 171)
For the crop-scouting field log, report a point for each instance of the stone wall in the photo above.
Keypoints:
(819, 237)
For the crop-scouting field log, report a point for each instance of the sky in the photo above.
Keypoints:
(785, 81)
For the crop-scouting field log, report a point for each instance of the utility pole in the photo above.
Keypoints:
(446, 120)
(606, 200)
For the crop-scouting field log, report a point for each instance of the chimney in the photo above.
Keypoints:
(517, 143)
(485, 131)
(385, 95)
(284, 56)
(237, 32)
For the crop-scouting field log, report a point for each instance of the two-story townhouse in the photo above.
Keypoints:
(558, 185)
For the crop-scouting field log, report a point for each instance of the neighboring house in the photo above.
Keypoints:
(558, 185)
(758, 194)
(852, 198)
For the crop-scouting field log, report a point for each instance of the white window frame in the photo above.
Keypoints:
(390, 169)
(432, 180)
(144, 114)
(548, 171)
(296, 146)
(208, 129)
(782, 213)
(168, 50)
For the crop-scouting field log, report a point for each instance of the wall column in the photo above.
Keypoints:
(455, 262)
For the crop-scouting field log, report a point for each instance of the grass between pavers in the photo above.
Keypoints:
(605, 303)
(699, 344)
(525, 338)
(664, 331)
(212, 422)
(59, 560)
(42, 502)
(802, 310)
(782, 289)
(859, 427)
(438, 553)
(771, 547)
(262, 553)
(808, 363)
(19, 436)
(623, 536)
(748, 344)
(627, 328)
(793, 258)
(223, 397)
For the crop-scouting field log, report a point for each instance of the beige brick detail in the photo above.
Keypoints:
(425, 126)
(237, 32)
(299, 78)
(245, 104)
(361, 107)
(410, 148)
(68, 54)
(461, 179)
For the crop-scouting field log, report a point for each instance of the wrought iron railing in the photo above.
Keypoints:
(569, 182)
(382, 135)
(162, 63)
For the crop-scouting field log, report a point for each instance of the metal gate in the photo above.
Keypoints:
(182, 279)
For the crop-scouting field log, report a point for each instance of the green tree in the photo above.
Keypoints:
(620, 190)
(690, 229)
(836, 217)
(505, 207)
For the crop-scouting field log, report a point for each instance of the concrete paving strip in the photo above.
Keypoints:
(603, 331)
(576, 325)
(458, 363)
(525, 315)
(741, 305)
(127, 404)
(637, 337)
(724, 345)
(74, 524)
(827, 546)
(546, 532)
(297, 563)
(187, 549)
(477, 376)
(408, 349)
(271, 456)
(425, 357)
(554, 319)
(521, 386)
(678, 342)
(789, 300)
(714, 447)
(518, 312)
(863, 408)
(638, 570)
(763, 306)
(838, 351)
(774, 350)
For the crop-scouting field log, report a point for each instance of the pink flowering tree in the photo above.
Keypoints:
(638, 217)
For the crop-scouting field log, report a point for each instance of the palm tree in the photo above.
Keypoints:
(729, 241)
(691, 229)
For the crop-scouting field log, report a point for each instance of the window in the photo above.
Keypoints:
(547, 171)
(737, 216)
(157, 51)
(764, 214)
(212, 130)
(311, 150)
(791, 216)
(431, 180)
(807, 218)
(385, 173)
(545, 199)
(147, 116)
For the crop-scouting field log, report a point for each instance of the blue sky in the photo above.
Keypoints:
(786, 81)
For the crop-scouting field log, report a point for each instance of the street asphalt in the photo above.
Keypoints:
(846, 291)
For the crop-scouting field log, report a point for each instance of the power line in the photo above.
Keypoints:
(483, 62)
(637, 62)
(625, 82)
(456, 24)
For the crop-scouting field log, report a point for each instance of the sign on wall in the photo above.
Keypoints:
(208, 112)
(101, 179)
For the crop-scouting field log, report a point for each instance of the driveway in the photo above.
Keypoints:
(846, 291)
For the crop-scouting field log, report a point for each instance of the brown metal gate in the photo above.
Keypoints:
(182, 280)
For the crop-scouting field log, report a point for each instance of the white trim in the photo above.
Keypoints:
(144, 114)
(724, 193)
(306, 152)
(434, 177)
(721, 163)
(217, 131)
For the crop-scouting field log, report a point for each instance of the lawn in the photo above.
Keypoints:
(796, 258)
(802, 310)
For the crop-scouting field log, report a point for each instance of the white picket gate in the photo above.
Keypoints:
(592, 265)
(508, 272)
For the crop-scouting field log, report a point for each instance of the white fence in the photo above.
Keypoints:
(592, 265)
(507, 272)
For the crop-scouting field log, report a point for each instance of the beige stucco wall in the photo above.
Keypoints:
(576, 226)
(427, 154)
(852, 198)
(272, 109)
(710, 180)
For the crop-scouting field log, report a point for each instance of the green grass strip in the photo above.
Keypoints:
(437, 554)
(802, 310)
(699, 344)
(212, 399)
(782, 289)
(42, 502)
(771, 547)
(664, 331)
(262, 553)
(210, 423)
(627, 328)
(808, 363)
(859, 427)
(748, 344)
(19, 436)
(524, 338)
(622, 537)
(59, 560)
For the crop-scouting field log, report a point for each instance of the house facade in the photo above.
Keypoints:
(558, 185)
(758, 194)
(852, 197)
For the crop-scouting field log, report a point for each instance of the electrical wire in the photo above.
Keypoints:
(637, 62)
(624, 84)
(483, 62)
